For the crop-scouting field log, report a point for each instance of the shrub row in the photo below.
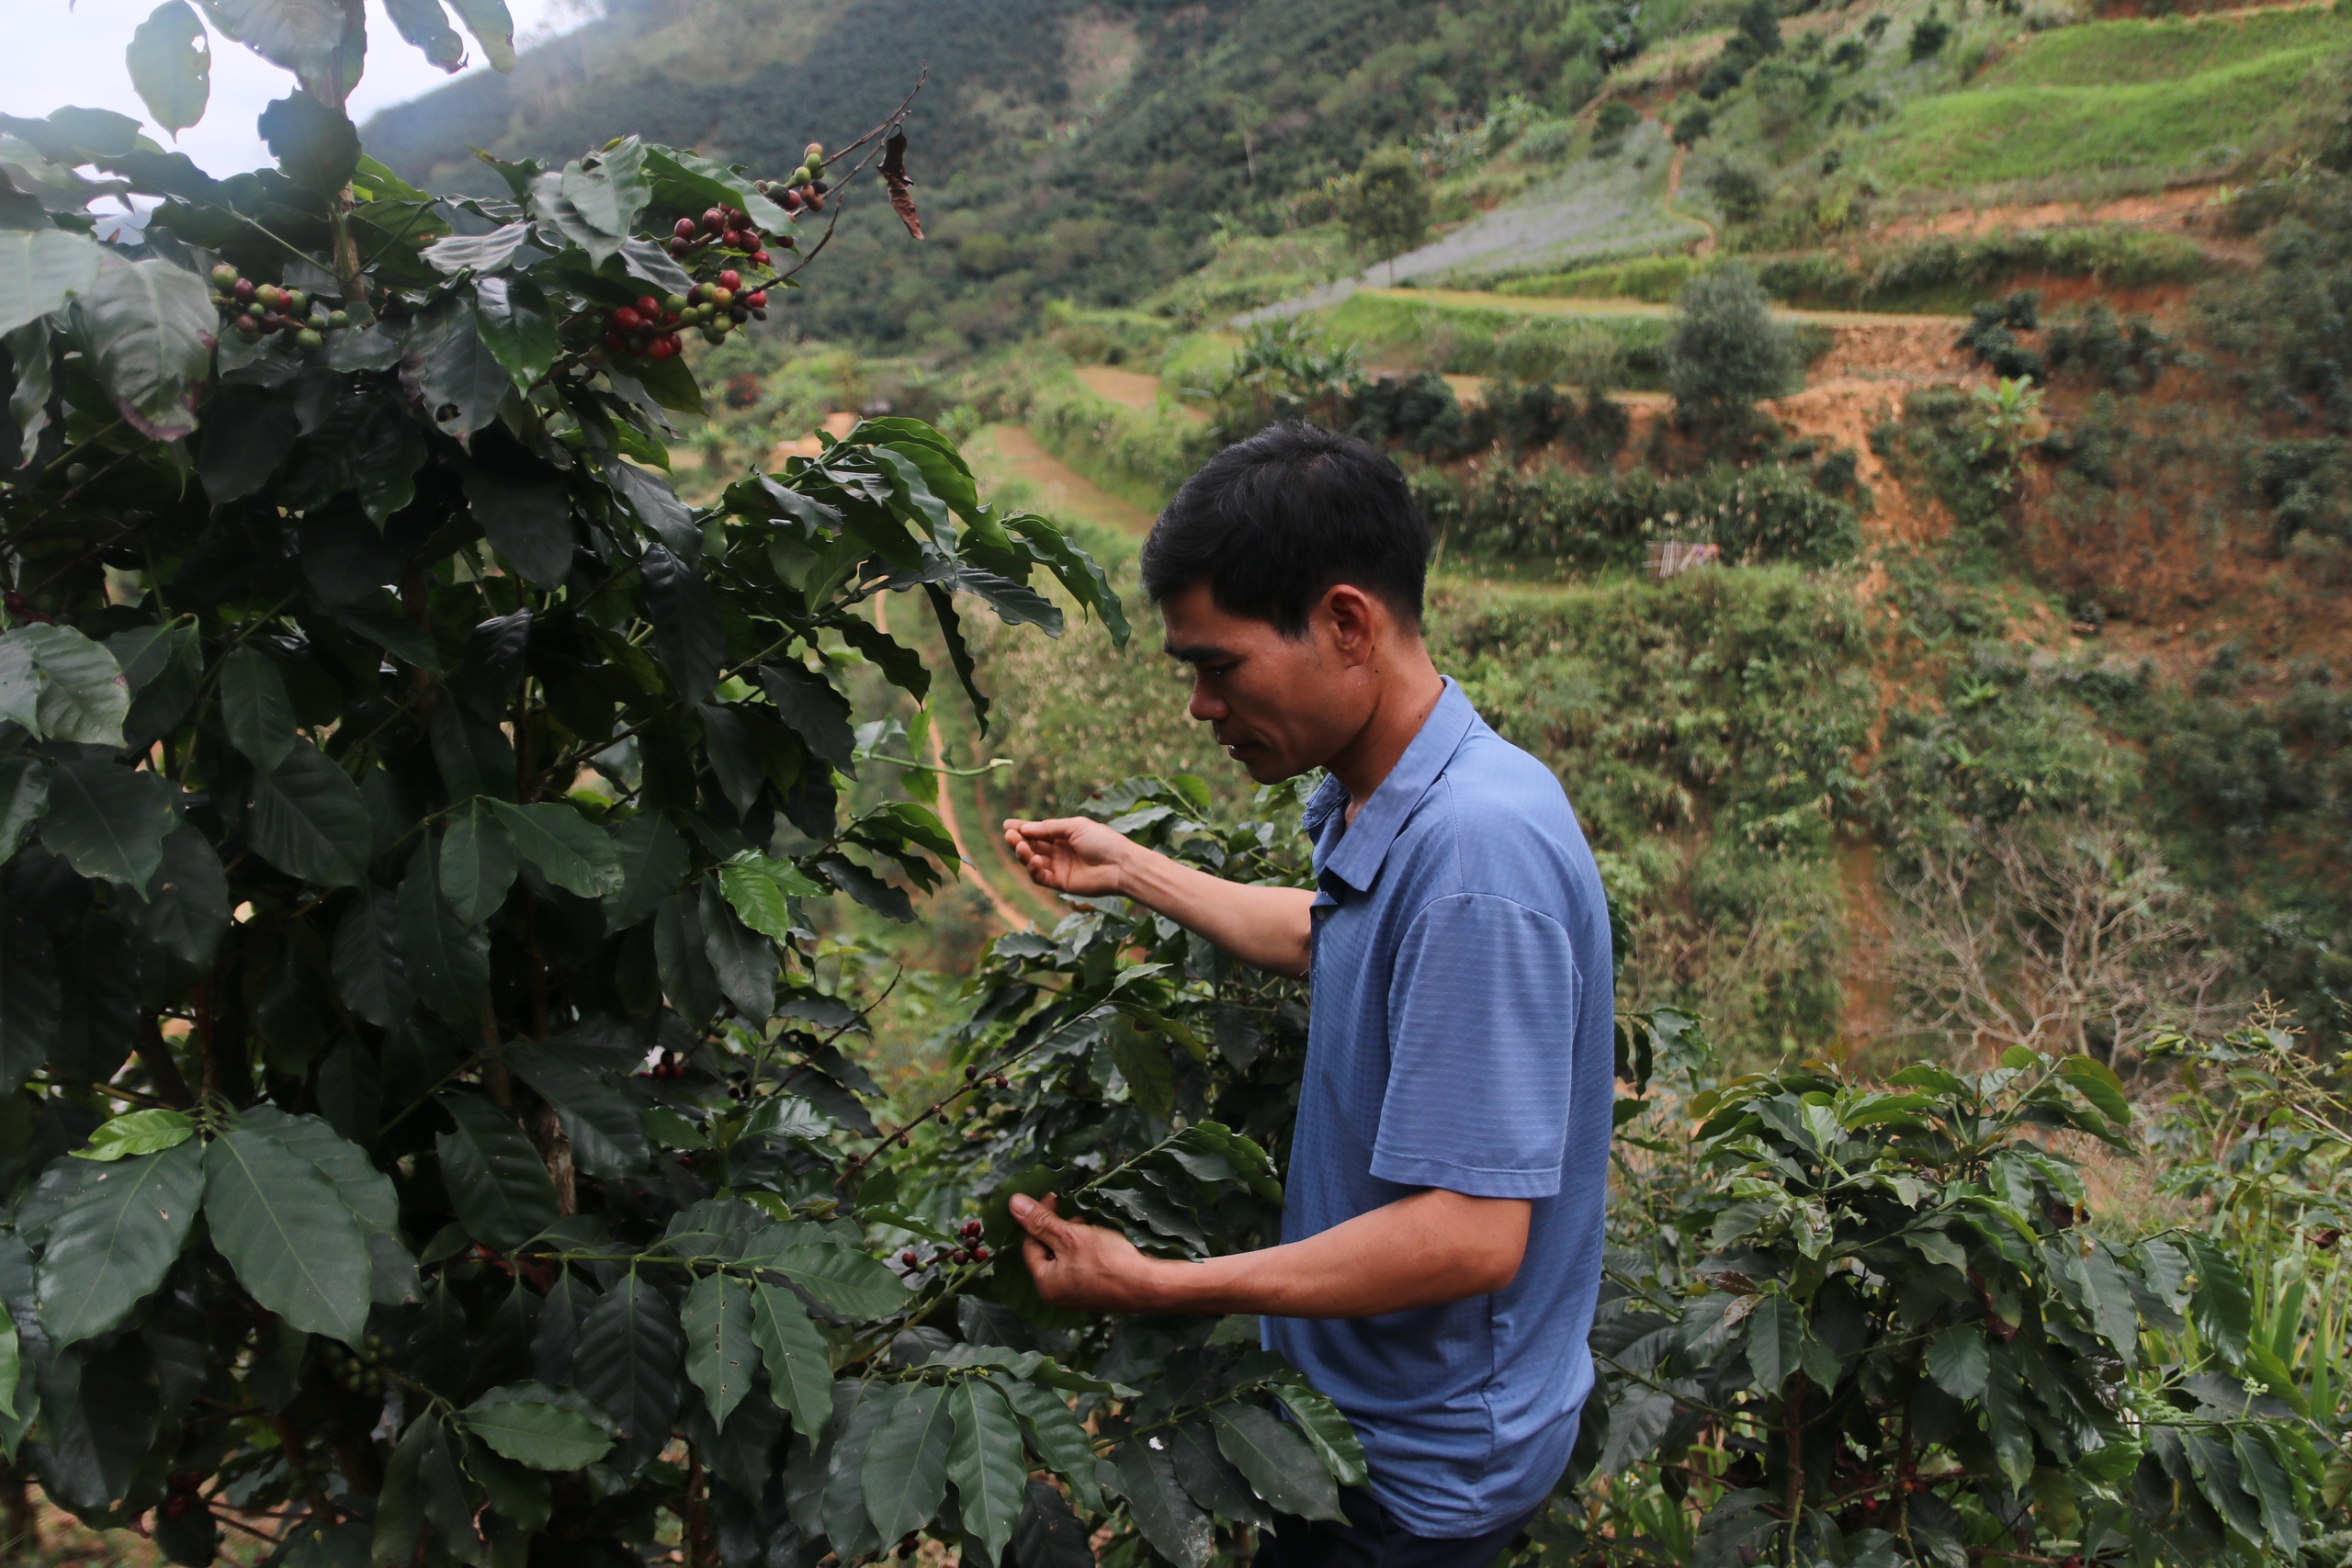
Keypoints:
(1546, 514)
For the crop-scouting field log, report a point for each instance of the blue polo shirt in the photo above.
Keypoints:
(1462, 1036)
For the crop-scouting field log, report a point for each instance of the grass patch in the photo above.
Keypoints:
(1657, 280)
(1990, 135)
(1473, 339)
(2110, 54)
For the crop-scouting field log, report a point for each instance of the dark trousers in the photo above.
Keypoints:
(1372, 1538)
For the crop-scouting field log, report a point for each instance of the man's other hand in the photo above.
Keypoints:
(1070, 854)
(1084, 1266)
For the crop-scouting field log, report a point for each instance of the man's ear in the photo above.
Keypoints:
(1356, 620)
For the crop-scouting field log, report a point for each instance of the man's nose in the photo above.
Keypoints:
(1207, 706)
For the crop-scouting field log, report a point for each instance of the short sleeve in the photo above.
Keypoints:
(1482, 1012)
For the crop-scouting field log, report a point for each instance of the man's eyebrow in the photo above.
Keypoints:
(1199, 653)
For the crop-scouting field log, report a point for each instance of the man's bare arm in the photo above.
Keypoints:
(1269, 928)
(1432, 1248)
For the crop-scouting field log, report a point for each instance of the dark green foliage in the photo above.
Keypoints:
(1928, 36)
(1949, 272)
(1854, 1323)
(1387, 208)
(1727, 354)
(2123, 357)
(432, 839)
(1991, 335)
(1550, 516)
(1108, 215)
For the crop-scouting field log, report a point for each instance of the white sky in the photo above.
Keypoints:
(62, 53)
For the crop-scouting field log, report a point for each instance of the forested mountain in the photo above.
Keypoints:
(1062, 150)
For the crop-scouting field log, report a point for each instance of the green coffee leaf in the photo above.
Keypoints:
(847, 1283)
(1279, 1466)
(78, 692)
(478, 864)
(447, 971)
(904, 1478)
(149, 326)
(799, 1374)
(605, 1127)
(107, 820)
(307, 820)
(111, 1243)
(138, 1133)
(2097, 1082)
(1166, 1514)
(289, 1234)
(519, 325)
(628, 1359)
(986, 1461)
(24, 800)
(653, 862)
(496, 1180)
(1958, 1359)
(423, 24)
(187, 900)
(540, 1433)
(720, 1354)
(523, 507)
(1327, 1432)
(568, 850)
(171, 74)
(254, 706)
(40, 269)
(1063, 1443)
(685, 624)
(758, 887)
(493, 28)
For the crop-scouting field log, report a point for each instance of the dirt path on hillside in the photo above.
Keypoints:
(1705, 247)
(1008, 452)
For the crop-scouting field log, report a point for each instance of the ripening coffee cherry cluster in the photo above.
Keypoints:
(970, 1252)
(671, 1066)
(727, 228)
(360, 1372)
(804, 189)
(256, 310)
(648, 329)
(183, 1498)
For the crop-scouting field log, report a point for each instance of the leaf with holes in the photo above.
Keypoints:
(720, 1354)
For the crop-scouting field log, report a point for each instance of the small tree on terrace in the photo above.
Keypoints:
(1727, 353)
(1387, 207)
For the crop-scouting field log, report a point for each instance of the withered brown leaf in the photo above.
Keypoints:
(894, 175)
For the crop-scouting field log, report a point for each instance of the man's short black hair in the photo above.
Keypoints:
(1272, 522)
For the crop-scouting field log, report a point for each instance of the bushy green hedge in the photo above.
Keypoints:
(1545, 514)
(1945, 271)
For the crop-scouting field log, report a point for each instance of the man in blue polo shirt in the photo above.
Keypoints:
(1442, 1233)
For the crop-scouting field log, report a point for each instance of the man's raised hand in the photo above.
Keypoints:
(1089, 1267)
(1070, 854)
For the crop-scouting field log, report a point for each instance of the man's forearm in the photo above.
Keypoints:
(1268, 928)
(1432, 1248)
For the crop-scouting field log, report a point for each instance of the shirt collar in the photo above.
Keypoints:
(1354, 854)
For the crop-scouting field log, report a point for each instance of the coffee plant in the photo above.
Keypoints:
(1853, 1323)
(427, 1124)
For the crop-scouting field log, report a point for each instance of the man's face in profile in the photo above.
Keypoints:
(1279, 705)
